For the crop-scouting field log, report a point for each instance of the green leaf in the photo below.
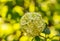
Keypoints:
(46, 30)
(37, 38)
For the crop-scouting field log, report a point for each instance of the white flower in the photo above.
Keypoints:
(32, 24)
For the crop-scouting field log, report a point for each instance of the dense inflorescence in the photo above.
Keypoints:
(32, 24)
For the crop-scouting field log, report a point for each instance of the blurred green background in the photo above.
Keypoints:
(11, 12)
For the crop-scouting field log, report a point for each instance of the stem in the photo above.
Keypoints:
(20, 36)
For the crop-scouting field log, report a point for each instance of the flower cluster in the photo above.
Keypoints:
(32, 24)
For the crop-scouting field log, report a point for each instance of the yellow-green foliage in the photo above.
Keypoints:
(11, 12)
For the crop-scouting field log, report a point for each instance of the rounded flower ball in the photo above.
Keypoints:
(32, 24)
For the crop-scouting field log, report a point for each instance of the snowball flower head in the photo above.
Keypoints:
(32, 24)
